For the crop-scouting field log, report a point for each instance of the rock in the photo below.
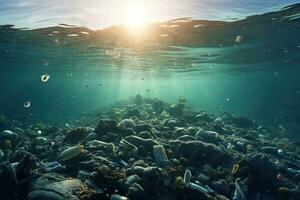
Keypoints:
(158, 106)
(135, 170)
(138, 100)
(75, 136)
(203, 116)
(221, 187)
(25, 166)
(53, 167)
(160, 155)
(186, 138)
(176, 110)
(126, 124)
(142, 127)
(135, 191)
(83, 175)
(243, 122)
(207, 136)
(132, 179)
(208, 170)
(203, 178)
(91, 136)
(8, 182)
(137, 141)
(263, 171)
(270, 150)
(40, 140)
(107, 177)
(8, 139)
(127, 149)
(55, 187)
(198, 153)
(172, 123)
(133, 112)
(106, 125)
(251, 137)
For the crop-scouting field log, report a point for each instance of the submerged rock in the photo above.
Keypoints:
(138, 141)
(263, 172)
(199, 153)
(75, 136)
(8, 182)
(144, 156)
(126, 124)
(158, 106)
(160, 155)
(208, 136)
(106, 125)
(55, 187)
(176, 110)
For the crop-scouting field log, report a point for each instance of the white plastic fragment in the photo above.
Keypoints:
(238, 192)
(71, 152)
(193, 186)
(239, 39)
(1, 154)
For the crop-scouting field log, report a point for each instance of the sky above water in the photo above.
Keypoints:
(103, 13)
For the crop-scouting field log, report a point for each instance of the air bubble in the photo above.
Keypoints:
(45, 77)
(27, 104)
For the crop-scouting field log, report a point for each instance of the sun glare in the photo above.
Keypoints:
(136, 16)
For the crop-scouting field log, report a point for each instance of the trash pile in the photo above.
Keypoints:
(148, 149)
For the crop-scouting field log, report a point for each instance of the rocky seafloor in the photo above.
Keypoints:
(148, 149)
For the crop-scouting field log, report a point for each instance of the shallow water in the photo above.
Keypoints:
(248, 67)
(183, 109)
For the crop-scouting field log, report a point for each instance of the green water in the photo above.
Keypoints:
(257, 77)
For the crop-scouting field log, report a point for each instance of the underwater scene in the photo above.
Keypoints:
(194, 101)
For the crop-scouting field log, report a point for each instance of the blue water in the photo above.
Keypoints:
(257, 77)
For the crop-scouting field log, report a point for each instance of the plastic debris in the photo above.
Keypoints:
(238, 193)
(193, 186)
(70, 152)
(45, 78)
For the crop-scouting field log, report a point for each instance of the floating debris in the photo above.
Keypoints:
(45, 78)
(72, 35)
(198, 25)
(84, 33)
(239, 39)
(27, 104)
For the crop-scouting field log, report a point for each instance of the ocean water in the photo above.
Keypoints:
(248, 67)
(185, 108)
